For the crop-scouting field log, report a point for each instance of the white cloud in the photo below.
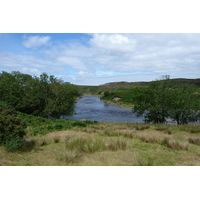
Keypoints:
(74, 62)
(112, 57)
(25, 63)
(35, 41)
(33, 71)
(113, 42)
(82, 75)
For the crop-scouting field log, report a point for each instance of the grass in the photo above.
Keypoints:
(84, 144)
(194, 140)
(106, 143)
(56, 139)
(117, 144)
(70, 156)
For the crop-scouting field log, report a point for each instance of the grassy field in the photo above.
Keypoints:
(109, 144)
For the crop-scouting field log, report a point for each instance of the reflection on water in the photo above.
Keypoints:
(92, 108)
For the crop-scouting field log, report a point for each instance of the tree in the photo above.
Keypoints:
(62, 100)
(153, 101)
(42, 96)
(186, 103)
(167, 99)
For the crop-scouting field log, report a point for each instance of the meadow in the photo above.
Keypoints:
(77, 143)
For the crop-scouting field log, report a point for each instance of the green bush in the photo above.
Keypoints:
(80, 123)
(14, 144)
(12, 129)
(58, 127)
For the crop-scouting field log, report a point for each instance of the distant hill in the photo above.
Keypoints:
(125, 85)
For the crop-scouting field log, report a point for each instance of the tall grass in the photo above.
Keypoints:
(177, 145)
(189, 128)
(85, 145)
(70, 156)
(149, 139)
(56, 139)
(111, 132)
(145, 161)
(194, 140)
(142, 127)
(117, 144)
(128, 134)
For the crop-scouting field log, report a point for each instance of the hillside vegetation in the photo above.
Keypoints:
(95, 90)
(26, 102)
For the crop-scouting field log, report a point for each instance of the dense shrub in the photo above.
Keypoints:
(14, 144)
(11, 129)
(83, 123)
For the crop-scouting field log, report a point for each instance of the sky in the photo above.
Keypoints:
(99, 58)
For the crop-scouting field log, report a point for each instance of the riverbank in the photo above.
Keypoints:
(110, 144)
(113, 102)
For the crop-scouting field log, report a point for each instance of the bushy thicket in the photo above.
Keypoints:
(42, 126)
(41, 96)
(12, 129)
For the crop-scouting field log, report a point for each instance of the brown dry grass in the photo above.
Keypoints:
(137, 147)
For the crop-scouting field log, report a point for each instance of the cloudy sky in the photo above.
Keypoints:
(93, 59)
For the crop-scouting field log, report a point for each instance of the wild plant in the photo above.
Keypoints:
(70, 156)
(117, 144)
(194, 140)
(173, 144)
(128, 134)
(145, 161)
(142, 127)
(110, 132)
(56, 139)
(148, 139)
(85, 145)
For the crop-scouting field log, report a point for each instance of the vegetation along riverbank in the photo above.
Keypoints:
(28, 137)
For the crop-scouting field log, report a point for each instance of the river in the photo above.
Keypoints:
(92, 108)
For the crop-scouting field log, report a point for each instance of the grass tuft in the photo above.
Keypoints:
(70, 156)
(145, 161)
(194, 140)
(85, 145)
(142, 127)
(128, 134)
(117, 144)
(56, 139)
(43, 142)
(169, 132)
(173, 144)
(148, 139)
(110, 133)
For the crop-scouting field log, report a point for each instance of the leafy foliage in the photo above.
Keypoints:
(41, 96)
(167, 98)
(12, 129)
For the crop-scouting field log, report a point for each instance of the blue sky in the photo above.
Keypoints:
(93, 59)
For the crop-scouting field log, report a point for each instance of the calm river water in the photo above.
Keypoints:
(92, 108)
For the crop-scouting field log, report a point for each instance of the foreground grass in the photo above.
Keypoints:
(111, 144)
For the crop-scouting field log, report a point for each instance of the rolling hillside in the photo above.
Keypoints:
(97, 90)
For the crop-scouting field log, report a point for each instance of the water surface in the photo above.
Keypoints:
(92, 108)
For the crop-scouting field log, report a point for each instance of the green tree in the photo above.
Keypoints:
(42, 96)
(62, 100)
(167, 99)
(186, 103)
(153, 101)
